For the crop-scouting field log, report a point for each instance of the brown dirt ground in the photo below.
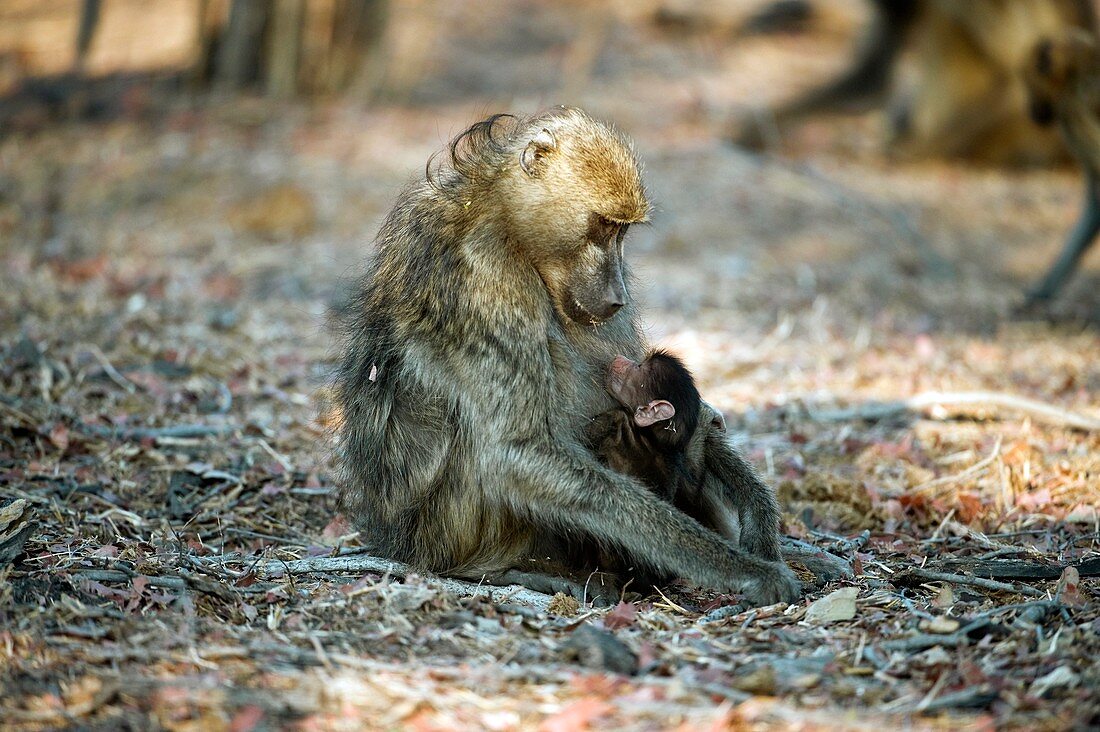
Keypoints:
(173, 266)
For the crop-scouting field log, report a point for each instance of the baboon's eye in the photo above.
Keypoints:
(601, 230)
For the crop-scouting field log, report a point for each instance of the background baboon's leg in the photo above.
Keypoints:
(867, 80)
(1082, 236)
(861, 86)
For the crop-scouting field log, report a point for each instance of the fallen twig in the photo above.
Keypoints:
(841, 543)
(1043, 606)
(979, 697)
(179, 431)
(363, 563)
(874, 411)
(961, 579)
(969, 472)
(960, 529)
(721, 613)
(824, 565)
(185, 581)
(1017, 568)
(108, 368)
(26, 419)
(921, 641)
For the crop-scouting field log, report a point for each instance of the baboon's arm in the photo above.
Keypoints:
(730, 481)
(567, 490)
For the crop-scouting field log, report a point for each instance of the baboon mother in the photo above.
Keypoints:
(476, 353)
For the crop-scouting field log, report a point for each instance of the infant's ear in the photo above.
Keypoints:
(656, 411)
(533, 157)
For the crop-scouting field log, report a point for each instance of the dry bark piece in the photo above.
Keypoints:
(15, 526)
(563, 604)
(1015, 568)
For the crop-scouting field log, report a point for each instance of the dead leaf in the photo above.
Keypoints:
(335, 529)
(945, 598)
(59, 436)
(1067, 590)
(246, 719)
(621, 616)
(576, 716)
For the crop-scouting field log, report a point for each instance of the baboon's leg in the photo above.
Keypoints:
(1080, 239)
(727, 496)
(867, 80)
(861, 86)
(732, 483)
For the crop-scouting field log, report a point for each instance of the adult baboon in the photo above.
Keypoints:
(1063, 78)
(965, 96)
(476, 354)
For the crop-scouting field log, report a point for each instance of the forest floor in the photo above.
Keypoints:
(165, 274)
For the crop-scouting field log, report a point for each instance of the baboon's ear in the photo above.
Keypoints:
(533, 156)
(657, 410)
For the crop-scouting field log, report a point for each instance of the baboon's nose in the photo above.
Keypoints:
(613, 300)
(612, 306)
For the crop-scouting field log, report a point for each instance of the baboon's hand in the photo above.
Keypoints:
(776, 583)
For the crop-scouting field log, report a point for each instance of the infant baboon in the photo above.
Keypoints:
(476, 354)
(647, 437)
(1063, 77)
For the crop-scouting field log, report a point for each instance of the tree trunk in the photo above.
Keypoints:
(285, 47)
(241, 47)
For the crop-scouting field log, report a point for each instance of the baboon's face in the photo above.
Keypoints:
(1054, 66)
(572, 197)
(592, 286)
(653, 392)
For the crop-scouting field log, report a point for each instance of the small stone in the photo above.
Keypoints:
(839, 605)
(940, 624)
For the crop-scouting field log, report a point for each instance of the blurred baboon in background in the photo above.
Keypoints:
(964, 93)
(1063, 78)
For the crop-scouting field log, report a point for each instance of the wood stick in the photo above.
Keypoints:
(179, 431)
(924, 401)
(363, 563)
(921, 641)
(982, 582)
